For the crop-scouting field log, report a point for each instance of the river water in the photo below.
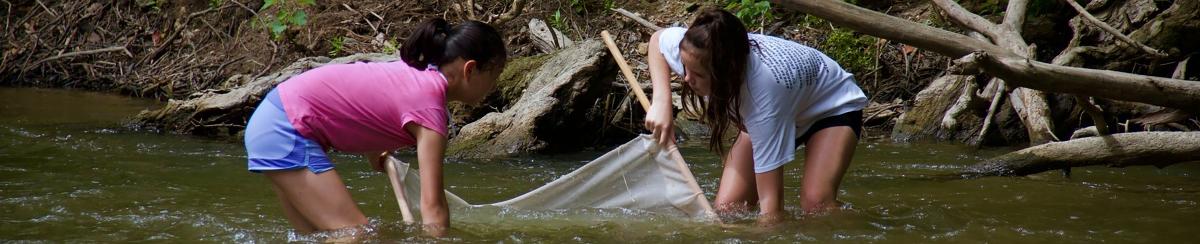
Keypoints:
(71, 170)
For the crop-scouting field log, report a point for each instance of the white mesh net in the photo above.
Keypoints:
(636, 175)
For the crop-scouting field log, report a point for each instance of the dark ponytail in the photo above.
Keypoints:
(718, 35)
(426, 44)
(436, 42)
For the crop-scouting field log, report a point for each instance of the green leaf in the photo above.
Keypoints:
(266, 4)
(307, 2)
(300, 18)
(277, 27)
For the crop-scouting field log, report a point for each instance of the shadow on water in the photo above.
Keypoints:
(71, 171)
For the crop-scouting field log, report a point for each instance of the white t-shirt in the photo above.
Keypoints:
(788, 87)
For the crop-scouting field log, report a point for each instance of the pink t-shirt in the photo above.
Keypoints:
(363, 107)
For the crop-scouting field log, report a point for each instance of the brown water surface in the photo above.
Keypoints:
(70, 170)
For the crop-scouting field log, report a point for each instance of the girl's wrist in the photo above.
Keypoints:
(660, 104)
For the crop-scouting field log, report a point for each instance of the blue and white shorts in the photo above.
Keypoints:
(272, 143)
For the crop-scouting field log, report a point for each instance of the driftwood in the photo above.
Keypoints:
(959, 96)
(638, 19)
(991, 113)
(1117, 150)
(1030, 105)
(925, 117)
(513, 11)
(546, 38)
(1167, 116)
(1113, 31)
(1008, 58)
(1000, 62)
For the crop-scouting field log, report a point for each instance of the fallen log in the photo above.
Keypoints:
(1117, 150)
(1014, 69)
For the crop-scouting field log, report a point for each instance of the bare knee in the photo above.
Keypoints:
(316, 201)
(818, 201)
(725, 207)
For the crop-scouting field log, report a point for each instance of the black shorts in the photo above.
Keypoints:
(852, 119)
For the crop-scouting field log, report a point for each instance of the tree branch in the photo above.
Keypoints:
(889, 27)
(1014, 16)
(1070, 57)
(638, 19)
(1031, 104)
(987, 120)
(966, 65)
(1094, 112)
(965, 18)
(1160, 91)
(77, 53)
(513, 12)
(966, 97)
(175, 34)
(1181, 69)
(1112, 31)
(1005, 64)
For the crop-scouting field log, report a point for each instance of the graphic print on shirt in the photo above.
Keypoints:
(788, 61)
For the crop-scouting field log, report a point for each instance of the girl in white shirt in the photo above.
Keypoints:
(778, 94)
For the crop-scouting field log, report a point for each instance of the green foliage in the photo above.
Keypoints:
(389, 47)
(810, 21)
(288, 14)
(754, 13)
(588, 6)
(855, 52)
(851, 50)
(336, 44)
(215, 3)
(557, 21)
(577, 5)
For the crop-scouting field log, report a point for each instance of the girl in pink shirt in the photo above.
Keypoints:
(371, 108)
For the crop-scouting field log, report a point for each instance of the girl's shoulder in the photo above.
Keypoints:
(785, 62)
(668, 45)
(767, 45)
(672, 32)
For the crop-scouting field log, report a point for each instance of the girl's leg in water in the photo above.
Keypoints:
(736, 192)
(315, 202)
(828, 155)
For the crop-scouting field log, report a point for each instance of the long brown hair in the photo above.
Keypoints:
(719, 41)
